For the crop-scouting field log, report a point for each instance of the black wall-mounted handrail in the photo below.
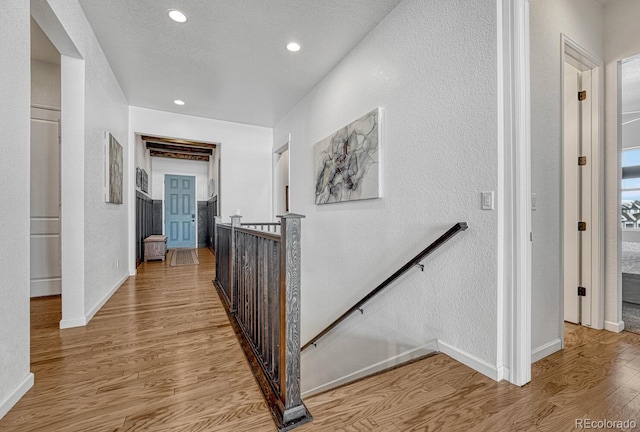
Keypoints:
(460, 226)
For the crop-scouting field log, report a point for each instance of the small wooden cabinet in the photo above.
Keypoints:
(155, 247)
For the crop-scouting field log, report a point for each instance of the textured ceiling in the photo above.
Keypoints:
(228, 61)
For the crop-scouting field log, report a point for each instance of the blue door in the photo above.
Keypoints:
(180, 211)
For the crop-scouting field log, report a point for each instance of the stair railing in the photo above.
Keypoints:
(258, 279)
(263, 226)
(415, 261)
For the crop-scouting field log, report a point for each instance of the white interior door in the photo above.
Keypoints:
(571, 194)
(45, 203)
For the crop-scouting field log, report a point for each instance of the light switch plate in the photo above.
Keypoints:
(487, 200)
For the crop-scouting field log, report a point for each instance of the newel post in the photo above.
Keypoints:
(235, 223)
(292, 409)
(214, 235)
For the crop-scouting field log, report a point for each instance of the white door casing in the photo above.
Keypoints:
(280, 178)
(571, 151)
(582, 189)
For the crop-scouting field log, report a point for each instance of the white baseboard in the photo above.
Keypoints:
(470, 360)
(504, 373)
(15, 395)
(74, 322)
(545, 350)
(614, 327)
(415, 353)
(94, 310)
(83, 321)
(46, 287)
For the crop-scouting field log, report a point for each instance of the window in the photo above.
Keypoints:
(630, 216)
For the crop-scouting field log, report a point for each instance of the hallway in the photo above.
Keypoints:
(161, 356)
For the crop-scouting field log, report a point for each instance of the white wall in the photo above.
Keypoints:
(161, 166)
(431, 66)
(45, 84)
(15, 378)
(94, 233)
(580, 20)
(621, 40)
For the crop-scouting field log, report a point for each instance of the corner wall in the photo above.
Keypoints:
(94, 233)
(580, 20)
(431, 66)
(15, 85)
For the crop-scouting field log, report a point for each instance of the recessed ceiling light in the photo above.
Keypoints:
(293, 47)
(178, 102)
(177, 16)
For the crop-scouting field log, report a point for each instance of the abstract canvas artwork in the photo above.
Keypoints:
(347, 163)
(114, 171)
(145, 182)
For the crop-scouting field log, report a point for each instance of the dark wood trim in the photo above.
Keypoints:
(174, 155)
(148, 138)
(180, 148)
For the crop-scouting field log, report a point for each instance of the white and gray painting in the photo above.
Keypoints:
(115, 171)
(347, 162)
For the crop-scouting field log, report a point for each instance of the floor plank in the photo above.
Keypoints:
(161, 356)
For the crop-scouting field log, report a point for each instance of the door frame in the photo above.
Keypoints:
(277, 154)
(514, 192)
(195, 204)
(595, 218)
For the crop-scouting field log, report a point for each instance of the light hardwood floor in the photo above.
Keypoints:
(161, 356)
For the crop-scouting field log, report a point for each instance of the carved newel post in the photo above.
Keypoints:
(235, 223)
(290, 404)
